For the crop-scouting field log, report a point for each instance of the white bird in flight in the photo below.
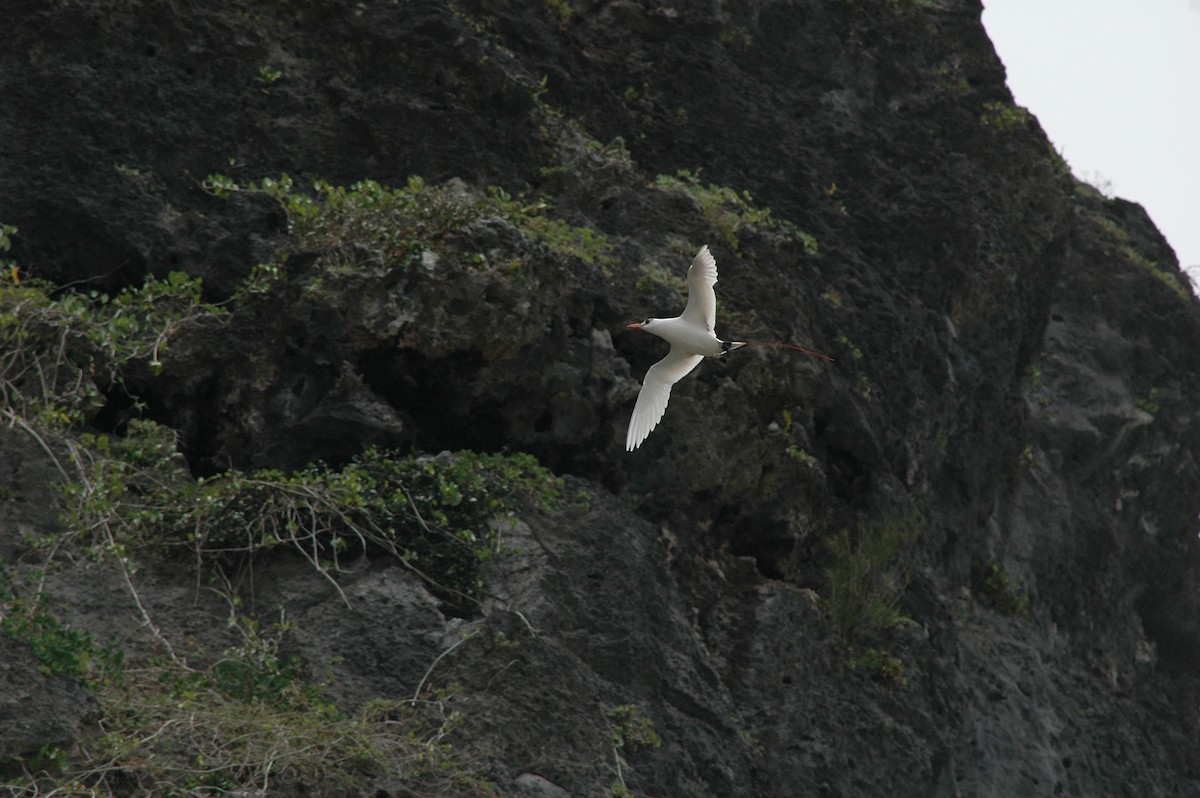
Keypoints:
(691, 337)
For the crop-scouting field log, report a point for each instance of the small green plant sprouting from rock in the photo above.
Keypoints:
(1033, 375)
(800, 455)
(868, 575)
(267, 76)
(950, 78)
(631, 731)
(1004, 117)
(855, 352)
(880, 665)
(865, 386)
(737, 38)
(1028, 458)
(794, 450)
(129, 171)
(561, 12)
(729, 212)
(994, 586)
(1148, 403)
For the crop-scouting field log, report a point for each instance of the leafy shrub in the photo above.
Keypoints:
(247, 722)
(1003, 117)
(993, 585)
(436, 514)
(881, 666)
(367, 222)
(868, 576)
(59, 649)
(630, 729)
(730, 212)
(59, 348)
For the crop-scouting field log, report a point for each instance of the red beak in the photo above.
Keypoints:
(634, 326)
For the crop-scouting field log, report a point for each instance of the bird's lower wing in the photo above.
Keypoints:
(655, 393)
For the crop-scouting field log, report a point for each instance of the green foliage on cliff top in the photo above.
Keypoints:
(369, 223)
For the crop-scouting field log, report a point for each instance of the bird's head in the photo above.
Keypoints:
(641, 325)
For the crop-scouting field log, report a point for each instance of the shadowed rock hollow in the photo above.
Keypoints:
(1017, 363)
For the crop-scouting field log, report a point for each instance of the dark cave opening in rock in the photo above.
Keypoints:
(770, 543)
(193, 415)
(435, 393)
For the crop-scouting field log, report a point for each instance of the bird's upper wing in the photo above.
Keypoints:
(702, 300)
(656, 390)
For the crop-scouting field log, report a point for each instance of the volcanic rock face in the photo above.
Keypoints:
(1017, 360)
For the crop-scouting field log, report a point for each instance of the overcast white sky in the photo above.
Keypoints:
(1116, 86)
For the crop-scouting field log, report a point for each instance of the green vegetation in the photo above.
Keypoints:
(58, 349)
(1125, 247)
(950, 78)
(865, 387)
(865, 583)
(584, 243)
(851, 347)
(868, 576)
(560, 12)
(249, 719)
(654, 276)
(436, 515)
(833, 297)
(1004, 117)
(996, 588)
(59, 649)
(630, 732)
(794, 450)
(800, 455)
(368, 224)
(8, 267)
(268, 76)
(880, 666)
(1148, 403)
(730, 212)
(737, 38)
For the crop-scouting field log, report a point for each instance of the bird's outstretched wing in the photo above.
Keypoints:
(656, 391)
(701, 307)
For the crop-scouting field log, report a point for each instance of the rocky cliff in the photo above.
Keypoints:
(959, 560)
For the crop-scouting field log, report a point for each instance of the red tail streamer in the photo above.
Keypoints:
(789, 346)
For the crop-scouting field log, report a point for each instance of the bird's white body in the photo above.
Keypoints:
(679, 332)
(691, 337)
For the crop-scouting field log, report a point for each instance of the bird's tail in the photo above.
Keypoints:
(729, 346)
(738, 344)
